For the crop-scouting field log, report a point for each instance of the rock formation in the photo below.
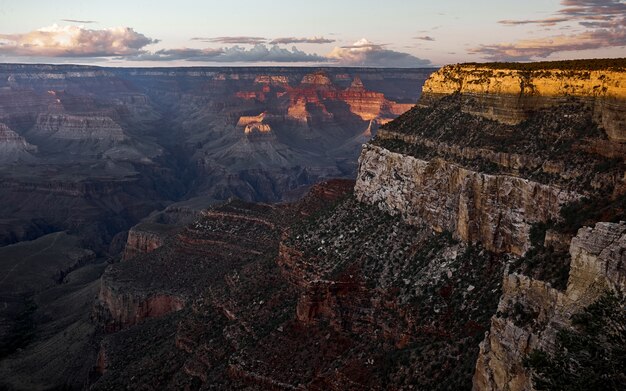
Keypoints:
(597, 266)
(496, 210)
(14, 148)
(482, 221)
(397, 284)
(72, 127)
(511, 95)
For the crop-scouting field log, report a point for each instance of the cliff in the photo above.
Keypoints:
(495, 210)
(531, 312)
(14, 148)
(511, 95)
(516, 158)
(465, 249)
(72, 127)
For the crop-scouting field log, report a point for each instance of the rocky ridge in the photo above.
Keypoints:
(546, 135)
(397, 285)
(13, 147)
(510, 95)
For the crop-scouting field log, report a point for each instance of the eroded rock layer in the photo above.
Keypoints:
(509, 95)
(327, 293)
(496, 210)
(531, 312)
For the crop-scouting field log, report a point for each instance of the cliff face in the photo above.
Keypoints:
(510, 96)
(597, 266)
(466, 245)
(492, 155)
(14, 148)
(495, 210)
(72, 127)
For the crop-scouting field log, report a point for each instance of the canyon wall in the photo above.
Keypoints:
(495, 210)
(598, 257)
(510, 95)
(491, 153)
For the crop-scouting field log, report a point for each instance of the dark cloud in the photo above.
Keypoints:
(75, 41)
(258, 53)
(593, 8)
(79, 21)
(604, 23)
(526, 50)
(242, 40)
(366, 53)
(292, 40)
(425, 38)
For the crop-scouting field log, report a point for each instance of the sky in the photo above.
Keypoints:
(378, 33)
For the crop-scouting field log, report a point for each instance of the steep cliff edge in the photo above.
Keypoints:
(531, 313)
(511, 94)
(496, 210)
(523, 160)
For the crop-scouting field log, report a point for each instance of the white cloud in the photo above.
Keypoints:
(366, 53)
(257, 53)
(75, 41)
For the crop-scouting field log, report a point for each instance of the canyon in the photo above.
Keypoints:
(101, 164)
(483, 231)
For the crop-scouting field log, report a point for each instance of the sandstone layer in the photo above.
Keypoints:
(495, 210)
(510, 95)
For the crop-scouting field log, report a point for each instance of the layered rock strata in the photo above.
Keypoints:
(495, 210)
(511, 95)
(13, 147)
(597, 266)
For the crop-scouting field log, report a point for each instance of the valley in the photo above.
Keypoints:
(98, 164)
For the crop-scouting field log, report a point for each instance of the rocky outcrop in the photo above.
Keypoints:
(531, 312)
(13, 147)
(317, 79)
(142, 240)
(495, 210)
(117, 310)
(278, 80)
(511, 95)
(257, 129)
(72, 127)
(246, 120)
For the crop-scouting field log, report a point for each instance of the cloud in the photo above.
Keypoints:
(604, 23)
(245, 40)
(425, 38)
(75, 41)
(525, 50)
(258, 53)
(79, 21)
(366, 53)
(240, 40)
(542, 22)
(291, 40)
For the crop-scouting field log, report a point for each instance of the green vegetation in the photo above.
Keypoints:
(591, 356)
(573, 65)
(444, 291)
(588, 211)
(543, 262)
